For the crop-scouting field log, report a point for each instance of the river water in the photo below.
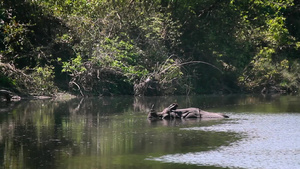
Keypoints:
(113, 133)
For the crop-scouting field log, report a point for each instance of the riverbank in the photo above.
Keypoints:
(8, 95)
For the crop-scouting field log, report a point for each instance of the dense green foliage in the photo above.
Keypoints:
(100, 47)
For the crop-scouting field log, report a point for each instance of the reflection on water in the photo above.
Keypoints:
(271, 142)
(113, 132)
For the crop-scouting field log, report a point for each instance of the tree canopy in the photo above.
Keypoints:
(159, 47)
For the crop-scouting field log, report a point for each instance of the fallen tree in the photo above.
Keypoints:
(35, 81)
(163, 76)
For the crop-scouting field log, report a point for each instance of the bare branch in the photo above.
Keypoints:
(193, 62)
(190, 62)
(72, 82)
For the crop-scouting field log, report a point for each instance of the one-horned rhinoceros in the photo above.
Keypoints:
(172, 112)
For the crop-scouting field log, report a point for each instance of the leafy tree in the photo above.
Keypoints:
(150, 47)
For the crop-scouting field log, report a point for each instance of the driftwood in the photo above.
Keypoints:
(172, 112)
(8, 95)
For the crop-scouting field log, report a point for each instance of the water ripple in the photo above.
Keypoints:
(271, 142)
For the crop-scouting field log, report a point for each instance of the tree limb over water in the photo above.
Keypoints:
(157, 81)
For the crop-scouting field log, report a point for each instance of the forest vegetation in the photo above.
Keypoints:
(157, 47)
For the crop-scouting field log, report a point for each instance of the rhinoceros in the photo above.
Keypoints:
(172, 112)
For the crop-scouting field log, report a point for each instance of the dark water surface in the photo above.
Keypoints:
(113, 133)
